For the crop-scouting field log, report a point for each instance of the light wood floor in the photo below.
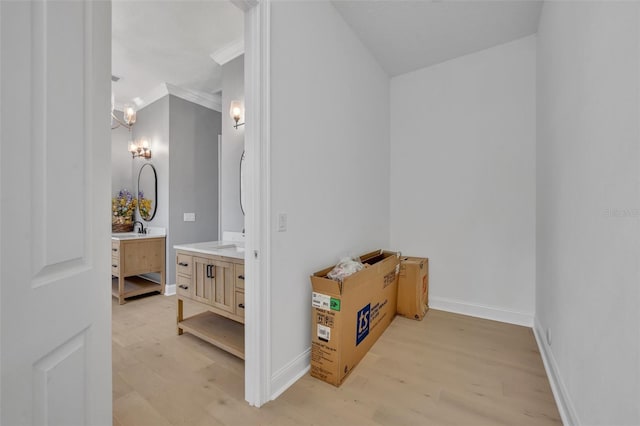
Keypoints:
(445, 370)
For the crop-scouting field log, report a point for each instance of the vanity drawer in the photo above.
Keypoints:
(239, 274)
(240, 303)
(115, 267)
(184, 264)
(115, 248)
(183, 286)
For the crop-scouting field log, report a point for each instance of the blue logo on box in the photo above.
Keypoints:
(362, 327)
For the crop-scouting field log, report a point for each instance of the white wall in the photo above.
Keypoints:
(463, 179)
(231, 216)
(588, 245)
(329, 162)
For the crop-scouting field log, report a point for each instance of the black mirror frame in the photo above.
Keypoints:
(155, 191)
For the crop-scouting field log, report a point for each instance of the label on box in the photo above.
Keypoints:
(335, 304)
(324, 333)
(321, 301)
(362, 323)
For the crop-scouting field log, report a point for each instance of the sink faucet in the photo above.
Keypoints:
(141, 230)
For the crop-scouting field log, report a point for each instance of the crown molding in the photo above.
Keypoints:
(206, 100)
(211, 101)
(158, 92)
(228, 52)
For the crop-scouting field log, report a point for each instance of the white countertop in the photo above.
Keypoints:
(234, 249)
(118, 236)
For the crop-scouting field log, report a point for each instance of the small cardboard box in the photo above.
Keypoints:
(413, 287)
(347, 318)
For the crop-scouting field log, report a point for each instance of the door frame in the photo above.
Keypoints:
(258, 216)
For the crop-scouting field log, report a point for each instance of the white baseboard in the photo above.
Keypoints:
(282, 379)
(565, 407)
(481, 311)
(169, 289)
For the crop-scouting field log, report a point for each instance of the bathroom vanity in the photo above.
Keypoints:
(211, 275)
(133, 255)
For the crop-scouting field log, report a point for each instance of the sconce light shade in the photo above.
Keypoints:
(236, 112)
(129, 114)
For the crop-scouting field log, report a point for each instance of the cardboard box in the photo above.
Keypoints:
(348, 317)
(413, 287)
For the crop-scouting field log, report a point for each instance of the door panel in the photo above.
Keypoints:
(224, 291)
(203, 282)
(55, 300)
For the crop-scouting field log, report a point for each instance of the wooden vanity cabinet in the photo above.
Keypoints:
(131, 258)
(212, 282)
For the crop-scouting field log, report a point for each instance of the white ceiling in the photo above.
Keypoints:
(405, 35)
(158, 42)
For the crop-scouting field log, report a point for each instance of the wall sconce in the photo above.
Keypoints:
(140, 149)
(235, 110)
(128, 116)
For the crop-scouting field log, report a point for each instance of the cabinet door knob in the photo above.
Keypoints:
(241, 305)
(241, 277)
(183, 264)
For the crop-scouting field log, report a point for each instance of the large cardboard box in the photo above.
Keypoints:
(413, 287)
(348, 317)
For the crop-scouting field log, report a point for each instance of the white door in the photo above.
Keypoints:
(55, 295)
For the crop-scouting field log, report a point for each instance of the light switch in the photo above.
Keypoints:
(189, 217)
(282, 222)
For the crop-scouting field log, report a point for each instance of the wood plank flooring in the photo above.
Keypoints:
(445, 370)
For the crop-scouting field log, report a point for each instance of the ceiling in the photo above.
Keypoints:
(158, 42)
(168, 44)
(405, 35)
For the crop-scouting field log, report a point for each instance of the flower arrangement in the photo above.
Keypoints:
(145, 206)
(123, 207)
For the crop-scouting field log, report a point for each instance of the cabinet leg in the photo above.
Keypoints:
(121, 290)
(180, 316)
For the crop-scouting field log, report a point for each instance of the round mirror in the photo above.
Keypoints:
(242, 200)
(147, 191)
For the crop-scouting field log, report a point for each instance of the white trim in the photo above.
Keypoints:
(169, 289)
(481, 311)
(228, 52)
(206, 100)
(211, 101)
(290, 373)
(220, 187)
(158, 92)
(258, 217)
(567, 411)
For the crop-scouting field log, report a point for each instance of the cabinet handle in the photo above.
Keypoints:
(184, 287)
(183, 264)
(114, 249)
(115, 266)
(241, 305)
(210, 271)
(241, 277)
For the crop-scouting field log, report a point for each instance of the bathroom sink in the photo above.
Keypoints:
(231, 246)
